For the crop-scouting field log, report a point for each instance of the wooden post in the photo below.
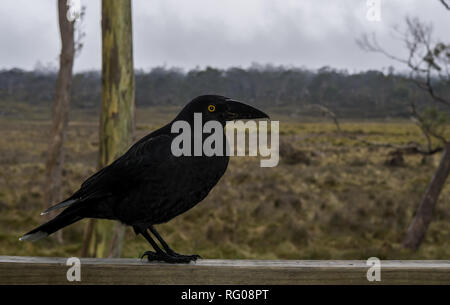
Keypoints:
(117, 117)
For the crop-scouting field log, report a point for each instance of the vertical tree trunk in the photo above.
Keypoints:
(117, 116)
(418, 228)
(60, 112)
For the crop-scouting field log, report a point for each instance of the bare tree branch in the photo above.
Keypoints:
(422, 124)
(425, 58)
(327, 112)
(445, 4)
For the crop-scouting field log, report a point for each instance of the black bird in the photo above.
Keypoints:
(148, 185)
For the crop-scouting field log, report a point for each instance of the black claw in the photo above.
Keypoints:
(192, 257)
(150, 255)
(173, 258)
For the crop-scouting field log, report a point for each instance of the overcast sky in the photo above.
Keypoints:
(220, 33)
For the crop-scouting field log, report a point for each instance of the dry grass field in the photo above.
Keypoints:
(329, 198)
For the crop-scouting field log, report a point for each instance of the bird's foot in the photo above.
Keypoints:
(193, 257)
(173, 258)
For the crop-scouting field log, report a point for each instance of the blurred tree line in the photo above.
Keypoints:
(368, 94)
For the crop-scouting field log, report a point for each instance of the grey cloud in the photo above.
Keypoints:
(219, 33)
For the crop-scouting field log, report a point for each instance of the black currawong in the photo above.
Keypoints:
(148, 185)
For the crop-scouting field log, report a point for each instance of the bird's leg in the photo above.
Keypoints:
(168, 249)
(150, 254)
(160, 255)
(162, 241)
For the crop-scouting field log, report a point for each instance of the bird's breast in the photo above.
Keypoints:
(185, 184)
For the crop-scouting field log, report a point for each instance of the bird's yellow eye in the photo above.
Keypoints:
(211, 108)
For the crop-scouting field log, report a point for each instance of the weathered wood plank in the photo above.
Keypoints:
(44, 270)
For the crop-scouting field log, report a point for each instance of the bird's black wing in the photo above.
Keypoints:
(135, 166)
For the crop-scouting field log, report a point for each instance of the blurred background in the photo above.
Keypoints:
(361, 90)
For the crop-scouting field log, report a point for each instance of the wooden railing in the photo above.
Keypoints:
(45, 270)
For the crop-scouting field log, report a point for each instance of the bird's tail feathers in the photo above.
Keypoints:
(60, 205)
(62, 220)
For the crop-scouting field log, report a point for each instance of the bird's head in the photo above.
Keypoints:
(219, 108)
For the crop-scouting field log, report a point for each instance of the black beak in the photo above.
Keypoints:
(240, 111)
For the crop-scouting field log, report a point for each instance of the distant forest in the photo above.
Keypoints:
(369, 94)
